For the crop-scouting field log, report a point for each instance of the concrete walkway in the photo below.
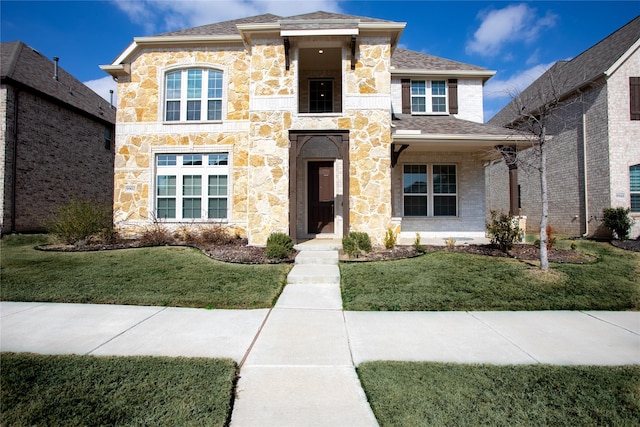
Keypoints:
(297, 361)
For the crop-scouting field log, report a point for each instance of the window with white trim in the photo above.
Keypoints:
(428, 96)
(634, 183)
(193, 94)
(430, 190)
(192, 186)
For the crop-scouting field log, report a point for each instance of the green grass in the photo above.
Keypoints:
(436, 394)
(88, 390)
(448, 281)
(157, 276)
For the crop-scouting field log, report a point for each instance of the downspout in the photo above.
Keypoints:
(585, 172)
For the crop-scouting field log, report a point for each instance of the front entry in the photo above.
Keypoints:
(321, 198)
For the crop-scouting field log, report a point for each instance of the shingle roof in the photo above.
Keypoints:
(445, 125)
(567, 76)
(23, 65)
(404, 59)
(227, 28)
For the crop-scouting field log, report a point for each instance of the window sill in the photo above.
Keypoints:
(430, 114)
(335, 114)
(193, 122)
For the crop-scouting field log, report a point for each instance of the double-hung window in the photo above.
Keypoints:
(634, 178)
(428, 96)
(192, 186)
(430, 190)
(193, 95)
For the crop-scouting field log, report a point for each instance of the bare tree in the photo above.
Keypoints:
(538, 111)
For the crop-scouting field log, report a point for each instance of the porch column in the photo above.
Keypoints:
(510, 155)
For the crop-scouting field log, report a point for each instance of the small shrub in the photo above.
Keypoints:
(355, 243)
(216, 235)
(503, 231)
(390, 239)
(279, 246)
(450, 242)
(79, 220)
(551, 240)
(617, 220)
(156, 235)
(186, 234)
(417, 245)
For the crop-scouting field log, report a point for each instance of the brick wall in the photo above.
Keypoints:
(60, 154)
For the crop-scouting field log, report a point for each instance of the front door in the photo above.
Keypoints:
(320, 192)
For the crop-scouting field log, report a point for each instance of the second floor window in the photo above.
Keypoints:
(428, 96)
(193, 95)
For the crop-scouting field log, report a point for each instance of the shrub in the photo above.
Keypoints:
(279, 246)
(355, 243)
(216, 235)
(617, 220)
(390, 239)
(417, 245)
(551, 240)
(450, 242)
(503, 231)
(156, 235)
(79, 219)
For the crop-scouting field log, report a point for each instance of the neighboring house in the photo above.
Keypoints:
(313, 125)
(56, 140)
(593, 156)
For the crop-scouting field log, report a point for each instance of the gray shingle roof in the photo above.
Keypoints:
(21, 64)
(445, 125)
(404, 59)
(567, 76)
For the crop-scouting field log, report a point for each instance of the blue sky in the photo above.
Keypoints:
(519, 40)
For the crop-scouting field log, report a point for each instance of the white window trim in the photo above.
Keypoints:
(429, 98)
(162, 110)
(635, 213)
(204, 151)
(430, 192)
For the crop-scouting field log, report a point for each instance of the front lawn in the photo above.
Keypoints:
(446, 281)
(437, 394)
(156, 276)
(89, 390)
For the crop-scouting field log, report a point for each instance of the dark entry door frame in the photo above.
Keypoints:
(297, 139)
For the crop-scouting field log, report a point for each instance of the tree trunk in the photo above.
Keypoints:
(544, 218)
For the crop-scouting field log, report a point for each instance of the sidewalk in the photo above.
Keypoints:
(297, 361)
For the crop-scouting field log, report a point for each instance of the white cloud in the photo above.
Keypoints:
(162, 15)
(102, 87)
(512, 24)
(507, 88)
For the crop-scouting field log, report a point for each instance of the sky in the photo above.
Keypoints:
(519, 40)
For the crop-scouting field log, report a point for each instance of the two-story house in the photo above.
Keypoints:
(56, 140)
(593, 155)
(313, 125)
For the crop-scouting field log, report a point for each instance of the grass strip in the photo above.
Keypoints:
(88, 390)
(448, 281)
(156, 276)
(438, 394)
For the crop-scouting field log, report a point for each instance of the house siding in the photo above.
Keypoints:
(60, 155)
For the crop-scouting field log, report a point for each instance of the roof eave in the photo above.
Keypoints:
(634, 47)
(481, 74)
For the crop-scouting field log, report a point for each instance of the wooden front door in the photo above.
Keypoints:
(321, 213)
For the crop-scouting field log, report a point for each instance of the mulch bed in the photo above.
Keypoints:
(240, 252)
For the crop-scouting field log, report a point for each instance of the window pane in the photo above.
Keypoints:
(438, 104)
(191, 185)
(444, 205)
(166, 185)
(437, 88)
(215, 84)
(166, 208)
(418, 87)
(444, 179)
(167, 160)
(415, 205)
(217, 185)
(634, 174)
(218, 159)
(173, 85)
(194, 84)
(192, 159)
(217, 208)
(320, 96)
(193, 110)
(415, 179)
(418, 105)
(173, 110)
(191, 208)
(214, 110)
(635, 202)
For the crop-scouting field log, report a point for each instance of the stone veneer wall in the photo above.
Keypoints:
(260, 110)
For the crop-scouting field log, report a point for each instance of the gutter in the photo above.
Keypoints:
(585, 172)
